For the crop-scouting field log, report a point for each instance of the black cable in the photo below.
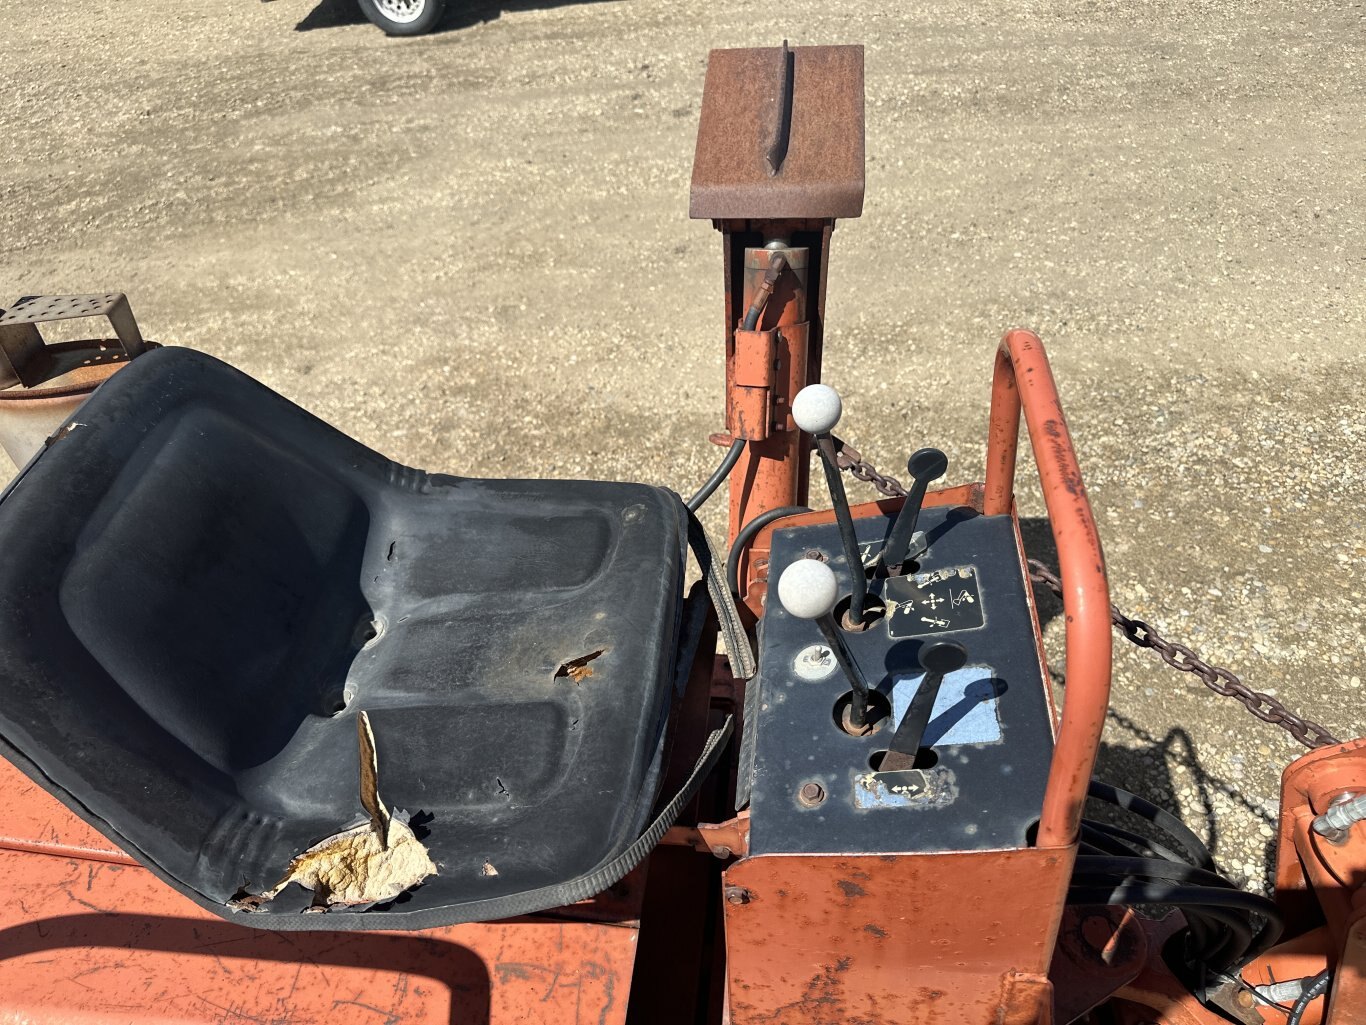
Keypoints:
(1318, 986)
(1178, 830)
(1236, 933)
(1090, 865)
(1125, 844)
(747, 534)
(1200, 897)
(714, 481)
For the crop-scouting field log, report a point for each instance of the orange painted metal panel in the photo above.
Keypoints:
(84, 941)
(34, 820)
(892, 939)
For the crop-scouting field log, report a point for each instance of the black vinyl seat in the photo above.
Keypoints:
(203, 584)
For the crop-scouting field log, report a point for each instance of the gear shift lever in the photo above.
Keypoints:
(938, 660)
(807, 590)
(816, 409)
(926, 465)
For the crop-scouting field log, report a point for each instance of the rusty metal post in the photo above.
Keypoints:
(779, 159)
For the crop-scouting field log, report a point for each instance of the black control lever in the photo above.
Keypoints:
(816, 409)
(925, 466)
(938, 660)
(808, 590)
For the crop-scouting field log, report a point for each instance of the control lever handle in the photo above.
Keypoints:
(925, 466)
(808, 590)
(816, 409)
(938, 660)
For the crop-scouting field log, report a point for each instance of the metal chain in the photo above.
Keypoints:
(849, 459)
(1218, 679)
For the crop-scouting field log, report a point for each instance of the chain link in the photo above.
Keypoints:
(1218, 679)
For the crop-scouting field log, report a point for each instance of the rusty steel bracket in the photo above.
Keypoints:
(1099, 949)
(723, 839)
(27, 360)
(750, 415)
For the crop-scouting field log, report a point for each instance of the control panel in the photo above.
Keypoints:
(902, 703)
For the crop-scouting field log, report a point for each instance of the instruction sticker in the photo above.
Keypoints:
(938, 601)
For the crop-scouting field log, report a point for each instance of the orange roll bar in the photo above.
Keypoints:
(1023, 378)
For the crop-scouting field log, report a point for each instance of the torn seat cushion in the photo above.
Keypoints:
(203, 584)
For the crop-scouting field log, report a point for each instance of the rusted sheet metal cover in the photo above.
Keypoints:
(781, 135)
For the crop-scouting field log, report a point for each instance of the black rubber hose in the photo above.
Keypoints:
(1179, 831)
(747, 534)
(1089, 866)
(1318, 986)
(714, 481)
(1125, 844)
(1198, 897)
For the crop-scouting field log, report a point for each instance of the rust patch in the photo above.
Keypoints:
(874, 930)
(578, 669)
(851, 889)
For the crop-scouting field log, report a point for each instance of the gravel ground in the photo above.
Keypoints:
(439, 245)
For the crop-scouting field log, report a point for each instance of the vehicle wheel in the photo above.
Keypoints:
(403, 17)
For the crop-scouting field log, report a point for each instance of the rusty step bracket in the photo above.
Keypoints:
(25, 358)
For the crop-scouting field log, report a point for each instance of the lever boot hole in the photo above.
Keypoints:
(879, 711)
(925, 758)
(881, 571)
(873, 611)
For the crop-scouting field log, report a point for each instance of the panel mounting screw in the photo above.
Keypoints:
(737, 895)
(811, 794)
(815, 553)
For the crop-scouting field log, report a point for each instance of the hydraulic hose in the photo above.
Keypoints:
(1178, 830)
(747, 534)
(1317, 986)
(732, 457)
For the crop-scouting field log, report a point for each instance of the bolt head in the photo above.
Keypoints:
(817, 408)
(737, 895)
(811, 794)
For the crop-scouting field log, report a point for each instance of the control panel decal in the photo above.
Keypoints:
(937, 602)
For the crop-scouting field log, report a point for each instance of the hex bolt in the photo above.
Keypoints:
(737, 895)
(811, 794)
(720, 851)
(815, 553)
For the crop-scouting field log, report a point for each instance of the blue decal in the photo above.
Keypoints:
(967, 710)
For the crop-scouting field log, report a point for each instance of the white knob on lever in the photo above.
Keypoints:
(817, 408)
(808, 589)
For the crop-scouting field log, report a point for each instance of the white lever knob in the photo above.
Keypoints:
(808, 589)
(817, 408)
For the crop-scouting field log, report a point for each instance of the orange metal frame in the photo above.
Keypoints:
(1024, 379)
(952, 936)
(86, 934)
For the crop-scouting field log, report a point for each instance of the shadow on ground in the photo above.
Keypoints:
(1140, 761)
(459, 13)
